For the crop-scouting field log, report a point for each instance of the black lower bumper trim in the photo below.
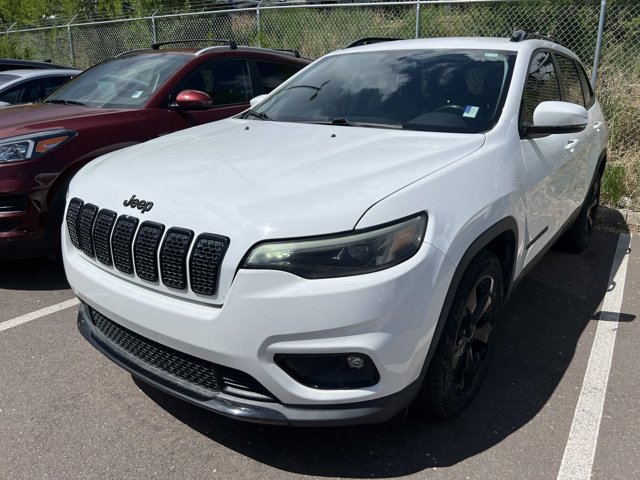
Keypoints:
(373, 411)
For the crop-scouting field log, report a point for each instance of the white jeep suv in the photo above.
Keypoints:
(344, 248)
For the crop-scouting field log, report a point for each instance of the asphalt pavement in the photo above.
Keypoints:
(66, 412)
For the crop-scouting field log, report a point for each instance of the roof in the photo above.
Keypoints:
(457, 43)
(35, 72)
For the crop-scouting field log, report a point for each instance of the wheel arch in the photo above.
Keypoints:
(502, 240)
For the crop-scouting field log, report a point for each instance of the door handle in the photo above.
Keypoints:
(571, 144)
(597, 125)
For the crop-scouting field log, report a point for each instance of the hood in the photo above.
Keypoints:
(281, 179)
(255, 180)
(36, 117)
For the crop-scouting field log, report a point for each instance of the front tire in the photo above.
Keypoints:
(461, 358)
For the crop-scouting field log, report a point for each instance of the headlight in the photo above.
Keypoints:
(342, 255)
(26, 147)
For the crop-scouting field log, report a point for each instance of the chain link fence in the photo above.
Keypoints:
(315, 29)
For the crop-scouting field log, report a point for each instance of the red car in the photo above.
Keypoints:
(127, 100)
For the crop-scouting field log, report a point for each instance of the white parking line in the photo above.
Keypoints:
(579, 453)
(38, 314)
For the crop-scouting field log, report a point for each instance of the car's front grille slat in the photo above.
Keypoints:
(86, 218)
(145, 250)
(121, 242)
(73, 212)
(173, 257)
(205, 262)
(102, 235)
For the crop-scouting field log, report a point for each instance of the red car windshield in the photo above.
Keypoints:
(123, 82)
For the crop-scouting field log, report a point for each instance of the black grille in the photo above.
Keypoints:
(145, 250)
(205, 262)
(102, 235)
(173, 257)
(181, 369)
(85, 227)
(121, 242)
(73, 211)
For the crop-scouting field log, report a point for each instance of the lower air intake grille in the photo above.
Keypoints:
(185, 371)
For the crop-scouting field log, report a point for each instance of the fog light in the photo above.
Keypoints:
(355, 362)
(330, 371)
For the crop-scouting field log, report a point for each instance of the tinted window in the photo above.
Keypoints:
(5, 78)
(442, 90)
(542, 85)
(586, 85)
(273, 74)
(228, 82)
(570, 81)
(36, 90)
(13, 95)
(123, 82)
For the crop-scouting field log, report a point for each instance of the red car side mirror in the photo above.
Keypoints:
(194, 100)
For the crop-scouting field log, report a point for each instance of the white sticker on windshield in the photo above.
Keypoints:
(470, 112)
(136, 94)
(490, 55)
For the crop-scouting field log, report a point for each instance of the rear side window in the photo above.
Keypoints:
(273, 74)
(570, 81)
(542, 85)
(586, 86)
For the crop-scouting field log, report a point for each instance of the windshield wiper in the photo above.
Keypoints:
(260, 115)
(66, 102)
(349, 123)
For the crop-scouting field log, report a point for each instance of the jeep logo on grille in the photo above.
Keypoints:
(141, 205)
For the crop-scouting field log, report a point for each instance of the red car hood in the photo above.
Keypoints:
(35, 117)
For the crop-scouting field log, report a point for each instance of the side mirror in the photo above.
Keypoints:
(256, 100)
(193, 100)
(556, 117)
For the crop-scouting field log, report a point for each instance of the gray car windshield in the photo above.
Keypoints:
(124, 82)
(443, 90)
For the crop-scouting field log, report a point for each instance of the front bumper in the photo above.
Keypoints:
(374, 411)
(389, 316)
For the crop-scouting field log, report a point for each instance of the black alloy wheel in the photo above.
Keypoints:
(461, 359)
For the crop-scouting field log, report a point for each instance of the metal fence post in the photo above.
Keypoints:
(154, 31)
(418, 19)
(258, 22)
(596, 61)
(70, 38)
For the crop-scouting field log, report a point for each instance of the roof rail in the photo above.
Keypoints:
(370, 40)
(295, 53)
(232, 45)
(520, 35)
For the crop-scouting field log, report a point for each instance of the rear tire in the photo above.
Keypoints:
(576, 239)
(460, 362)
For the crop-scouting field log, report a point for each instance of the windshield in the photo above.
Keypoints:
(7, 78)
(123, 82)
(446, 91)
